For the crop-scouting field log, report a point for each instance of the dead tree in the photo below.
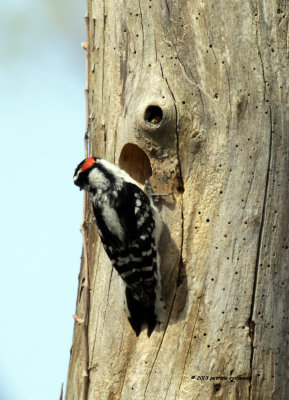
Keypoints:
(194, 95)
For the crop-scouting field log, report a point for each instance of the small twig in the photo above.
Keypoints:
(78, 319)
(84, 45)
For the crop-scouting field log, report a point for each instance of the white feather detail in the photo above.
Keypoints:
(111, 219)
(117, 172)
(97, 180)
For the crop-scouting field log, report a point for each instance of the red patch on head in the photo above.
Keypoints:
(88, 163)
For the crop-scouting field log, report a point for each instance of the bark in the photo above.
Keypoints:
(195, 94)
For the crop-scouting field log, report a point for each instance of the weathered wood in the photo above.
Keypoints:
(219, 73)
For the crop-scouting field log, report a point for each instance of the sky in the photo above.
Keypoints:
(42, 124)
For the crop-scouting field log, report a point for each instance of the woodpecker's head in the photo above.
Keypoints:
(82, 173)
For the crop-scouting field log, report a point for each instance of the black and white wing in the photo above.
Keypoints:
(129, 232)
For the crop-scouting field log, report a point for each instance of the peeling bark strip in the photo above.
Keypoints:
(196, 94)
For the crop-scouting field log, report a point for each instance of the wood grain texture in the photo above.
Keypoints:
(219, 72)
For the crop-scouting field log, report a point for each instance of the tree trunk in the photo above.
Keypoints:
(194, 93)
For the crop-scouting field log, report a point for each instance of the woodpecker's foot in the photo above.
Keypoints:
(151, 194)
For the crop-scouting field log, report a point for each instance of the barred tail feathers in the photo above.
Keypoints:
(144, 305)
(139, 309)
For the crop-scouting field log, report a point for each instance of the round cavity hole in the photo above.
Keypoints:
(153, 115)
(135, 162)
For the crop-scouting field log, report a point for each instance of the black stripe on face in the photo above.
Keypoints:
(82, 178)
(78, 167)
(108, 175)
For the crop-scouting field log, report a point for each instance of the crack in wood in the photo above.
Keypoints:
(142, 30)
(108, 292)
(169, 12)
(229, 95)
(123, 375)
(261, 60)
(191, 339)
(159, 348)
(182, 226)
(103, 52)
(208, 35)
(165, 330)
(251, 322)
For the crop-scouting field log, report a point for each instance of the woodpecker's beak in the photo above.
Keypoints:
(79, 179)
(77, 183)
(75, 180)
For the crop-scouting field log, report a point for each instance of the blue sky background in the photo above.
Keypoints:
(42, 122)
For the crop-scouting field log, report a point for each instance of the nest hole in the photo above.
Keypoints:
(153, 115)
(135, 162)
